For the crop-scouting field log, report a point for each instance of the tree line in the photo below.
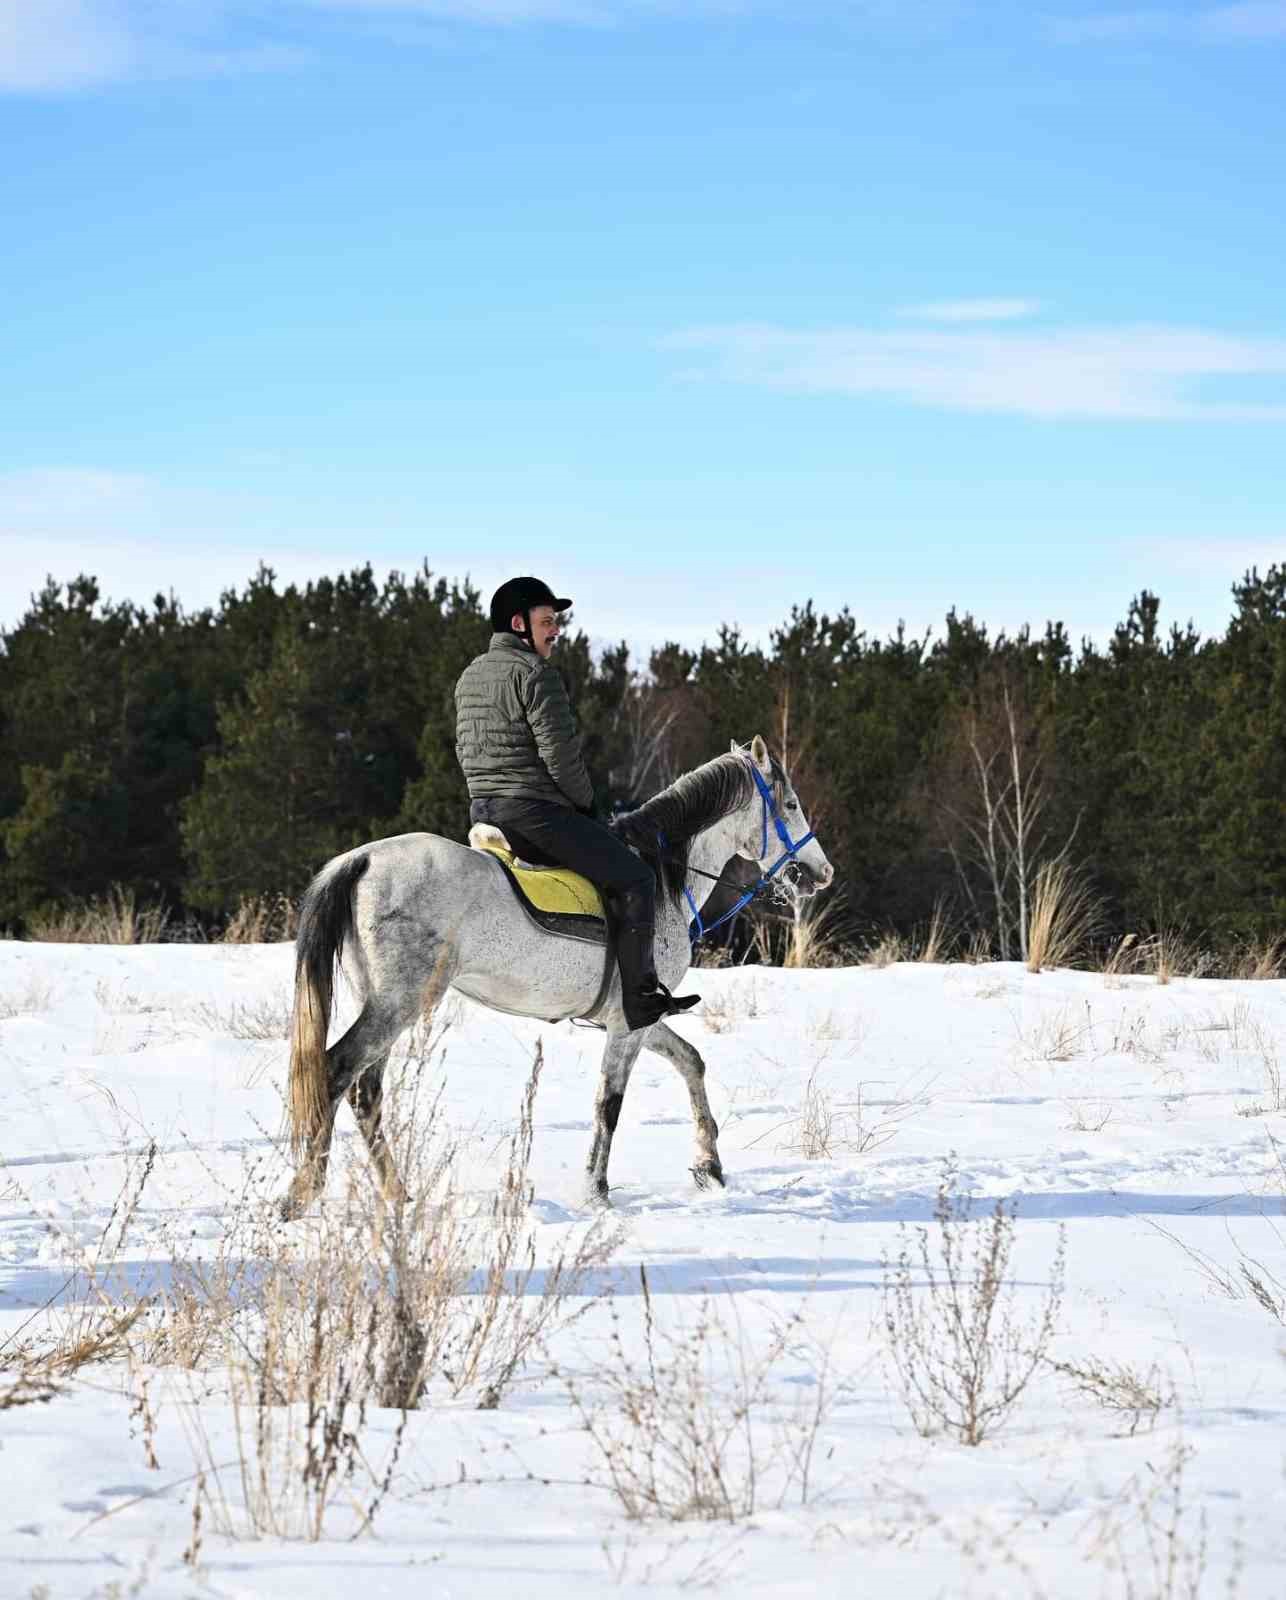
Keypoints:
(199, 757)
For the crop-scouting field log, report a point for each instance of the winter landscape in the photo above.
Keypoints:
(804, 1384)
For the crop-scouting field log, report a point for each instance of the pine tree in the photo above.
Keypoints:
(267, 814)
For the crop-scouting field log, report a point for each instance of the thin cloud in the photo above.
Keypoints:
(50, 46)
(1126, 374)
(1252, 20)
(1263, 20)
(62, 44)
(986, 310)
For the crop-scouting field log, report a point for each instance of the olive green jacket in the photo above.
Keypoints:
(514, 730)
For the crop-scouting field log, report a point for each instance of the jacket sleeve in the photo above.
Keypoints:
(549, 713)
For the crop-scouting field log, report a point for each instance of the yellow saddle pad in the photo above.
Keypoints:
(557, 890)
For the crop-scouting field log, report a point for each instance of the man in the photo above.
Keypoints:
(517, 742)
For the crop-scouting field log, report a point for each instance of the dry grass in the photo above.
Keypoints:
(886, 951)
(938, 940)
(1065, 915)
(1137, 1397)
(35, 996)
(1089, 1116)
(1171, 953)
(1154, 1542)
(455, 1292)
(113, 918)
(1260, 960)
(823, 1129)
(1274, 1098)
(810, 934)
(262, 919)
(97, 1313)
(690, 1431)
(267, 1020)
(1060, 1035)
(739, 1002)
(306, 1330)
(1120, 961)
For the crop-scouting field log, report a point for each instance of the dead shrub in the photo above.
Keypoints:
(113, 918)
(1135, 1396)
(687, 1432)
(96, 1312)
(262, 919)
(962, 1352)
(1259, 960)
(1156, 1541)
(454, 1292)
(886, 950)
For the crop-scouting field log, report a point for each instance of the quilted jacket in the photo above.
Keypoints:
(515, 733)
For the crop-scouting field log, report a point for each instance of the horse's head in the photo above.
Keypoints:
(774, 815)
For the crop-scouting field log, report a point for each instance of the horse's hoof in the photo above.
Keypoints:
(708, 1172)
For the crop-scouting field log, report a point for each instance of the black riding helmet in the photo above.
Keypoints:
(519, 597)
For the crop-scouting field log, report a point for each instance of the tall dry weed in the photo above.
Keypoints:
(811, 933)
(962, 1351)
(1065, 915)
(262, 919)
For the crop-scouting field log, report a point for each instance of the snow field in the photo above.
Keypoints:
(1139, 1117)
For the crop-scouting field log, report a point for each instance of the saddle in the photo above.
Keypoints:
(555, 898)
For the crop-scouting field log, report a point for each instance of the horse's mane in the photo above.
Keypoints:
(679, 813)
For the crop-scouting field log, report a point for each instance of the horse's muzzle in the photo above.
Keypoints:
(807, 880)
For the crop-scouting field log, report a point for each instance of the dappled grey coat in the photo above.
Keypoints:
(515, 733)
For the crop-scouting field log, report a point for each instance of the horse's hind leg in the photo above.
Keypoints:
(366, 1045)
(619, 1056)
(707, 1167)
(366, 1096)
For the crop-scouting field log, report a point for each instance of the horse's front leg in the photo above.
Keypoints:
(706, 1168)
(619, 1056)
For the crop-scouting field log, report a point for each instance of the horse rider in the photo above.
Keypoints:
(517, 742)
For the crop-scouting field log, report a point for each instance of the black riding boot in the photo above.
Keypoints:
(644, 997)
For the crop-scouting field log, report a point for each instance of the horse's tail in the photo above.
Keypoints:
(325, 922)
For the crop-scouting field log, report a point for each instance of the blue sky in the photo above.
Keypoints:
(698, 309)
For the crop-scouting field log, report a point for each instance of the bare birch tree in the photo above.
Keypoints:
(993, 790)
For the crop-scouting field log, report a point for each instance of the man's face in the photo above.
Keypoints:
(545, 628)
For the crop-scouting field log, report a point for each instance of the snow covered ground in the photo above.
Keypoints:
(1140, 1117)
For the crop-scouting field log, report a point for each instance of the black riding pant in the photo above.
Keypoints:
(551, 835)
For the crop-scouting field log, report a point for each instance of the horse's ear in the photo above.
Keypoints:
(734, 748)
(759, 750)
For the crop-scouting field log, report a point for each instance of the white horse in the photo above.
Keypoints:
(418, 914)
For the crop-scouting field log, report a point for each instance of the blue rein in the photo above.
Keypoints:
(697, 929)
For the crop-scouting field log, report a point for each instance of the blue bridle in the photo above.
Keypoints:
(697, 929)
